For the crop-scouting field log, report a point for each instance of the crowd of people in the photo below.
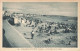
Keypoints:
(50, 28)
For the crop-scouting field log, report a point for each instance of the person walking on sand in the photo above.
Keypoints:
(32, 34)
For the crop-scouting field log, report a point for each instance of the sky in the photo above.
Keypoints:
(47, 8)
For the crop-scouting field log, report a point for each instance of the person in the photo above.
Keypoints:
(3, 31)
(49, 27)
(32, 34)
(69, 43)
(48, 41)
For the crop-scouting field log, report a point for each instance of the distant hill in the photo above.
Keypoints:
(60, 16)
